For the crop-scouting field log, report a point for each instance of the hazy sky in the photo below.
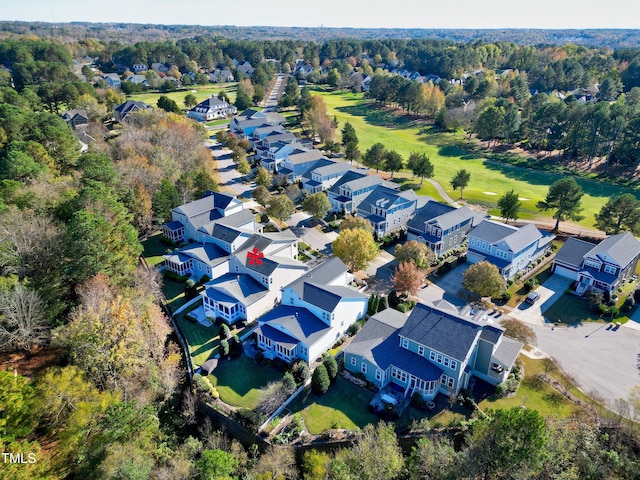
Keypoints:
(335, 13)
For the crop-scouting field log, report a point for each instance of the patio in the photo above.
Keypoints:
(390, 401)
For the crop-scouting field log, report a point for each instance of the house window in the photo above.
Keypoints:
(610, 269)
(432, 355)
(399, 374)
(353, 361)
(439, 358)
(421, 351)
(363, 367)
(450, 382)
(446, 361)
(454, 365)
(405, 343)
(378, 374)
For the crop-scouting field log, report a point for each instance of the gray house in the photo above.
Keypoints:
(601, 267)
(441, 227)
(433, 350)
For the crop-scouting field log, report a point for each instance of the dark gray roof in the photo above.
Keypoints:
(296, 158)
(276, 336)
(330, 169)
(349, 176)
(210, 102)
(378, 342)
(442, 331)
(429, 211)
(224, 233)
(327, 297)
(364, 182)
(507, 351)
(387, 197)
(206, 204)
(174, 225)
(131, 104)
(524, 237)
(268, 263)
(207, 253)
(622, 248)
(233, 288)
(237, 219)
(298, 323)
(492, 232)
(573, 252)
(491, 334)
(322, 274)
(269, 129)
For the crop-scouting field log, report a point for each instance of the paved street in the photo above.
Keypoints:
(229, 176)
(601, 358)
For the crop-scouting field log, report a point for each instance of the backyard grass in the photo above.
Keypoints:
(489, 178)
(201, 93)
(154, 249)
(203, 342)
(534, 395)
(174, 293)
(239, 381)
(343, 406)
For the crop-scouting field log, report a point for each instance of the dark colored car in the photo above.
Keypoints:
(532, 298)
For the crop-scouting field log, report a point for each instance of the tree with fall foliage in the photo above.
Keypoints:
(414, 251)
(484, 279)
(407, 278)
(356, 248)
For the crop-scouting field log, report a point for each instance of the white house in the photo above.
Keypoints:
(211, 109)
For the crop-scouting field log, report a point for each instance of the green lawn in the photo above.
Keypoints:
(201, 93)
(154, 249)
(571, 309)
(535, 395)
(203, 342)
(489, 179)
(343, 406)
(174, 293)
(239, 381)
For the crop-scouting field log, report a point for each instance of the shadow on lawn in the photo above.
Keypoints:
(378, 116)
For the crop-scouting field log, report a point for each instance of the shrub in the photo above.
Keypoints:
(249, 418)
(320, 380)
(331, 365)
(288, 383)
(629, 303)
(259, 357)
(418, 402)
(190, 289)
(602, 308)
(393, 299)
(175, 277)
(204, 279)
(636, 295)
(501, 390)
(531, 284)
(224, 331)
(203, 384)
(353, 329)
(403, 307)
(383, 304)
(224, 348)
(300, 371)
(214, 393)
(373, 305)
(279, 364)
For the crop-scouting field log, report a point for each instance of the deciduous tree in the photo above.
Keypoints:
(317, 205)
(280, 207)
(415, 251)
(23, 324)
(519, 331)
(350, 222)
(263, 177)
(407, 278)
(356, 248)
(374, 157)
(564, 197)
(261, 195)
(484, 279)
(393, 162)
(376, 455)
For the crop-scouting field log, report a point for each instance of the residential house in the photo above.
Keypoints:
(112, 80)
(122, 111)
(138, 80)
(440, 226)
(301, 161)
(76, 118)
(270, 145)
(348, 193)
(221, 76)
(246, 68)
(388, 209)
(272, 158)
(323, 178)
(433, 350)
(244, 124)
(187, 219)
(159, 67)
(260, 133)
(315, 311)
(211, 109)
(138, 68)
(602, 267)
(509, 248)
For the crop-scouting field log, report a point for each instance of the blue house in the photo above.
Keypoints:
(509, 248)
(388, 209)
(433, 350)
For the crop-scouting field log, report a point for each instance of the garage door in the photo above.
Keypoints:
(565, 272)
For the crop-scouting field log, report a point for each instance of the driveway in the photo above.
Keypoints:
(549, 292)
(229, 176)
(380, 272)
(602, 359)
(451, 282)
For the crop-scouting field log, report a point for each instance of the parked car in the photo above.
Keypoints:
(532, 298)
